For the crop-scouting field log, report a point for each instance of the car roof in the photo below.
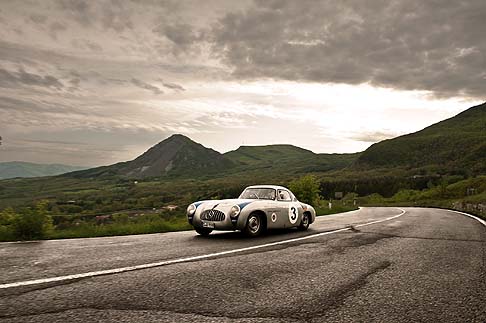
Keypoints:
(277, 187)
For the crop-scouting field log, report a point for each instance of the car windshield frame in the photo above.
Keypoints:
(258, 193)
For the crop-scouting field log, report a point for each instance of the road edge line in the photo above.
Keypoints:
(470, 215)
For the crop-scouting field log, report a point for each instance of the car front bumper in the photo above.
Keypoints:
(226, 224)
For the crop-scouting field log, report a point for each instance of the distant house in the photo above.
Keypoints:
(170, 207)
(102, 219)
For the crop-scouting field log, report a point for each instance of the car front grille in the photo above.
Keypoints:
(212, 215)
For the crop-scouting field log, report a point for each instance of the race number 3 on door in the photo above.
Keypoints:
(293, 214)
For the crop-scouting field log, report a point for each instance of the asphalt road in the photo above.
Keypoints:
(426, 265)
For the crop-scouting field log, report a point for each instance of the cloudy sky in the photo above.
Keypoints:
(97, 82)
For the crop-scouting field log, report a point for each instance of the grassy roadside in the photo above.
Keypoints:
(439, 204)
(37, 224)
(467, 195)
(89, 230)
(336, 208)
(122, 224)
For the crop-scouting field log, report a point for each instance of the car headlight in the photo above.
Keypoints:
(191, 209)
(235, 211)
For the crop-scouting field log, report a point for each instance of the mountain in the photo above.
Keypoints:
(287, 158)
(24, 169)
(175, 156)
(251, 155)
(453, 144)
(179, 156)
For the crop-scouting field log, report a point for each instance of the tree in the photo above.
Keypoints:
(32, 223)
(7, 216)
(306, 189)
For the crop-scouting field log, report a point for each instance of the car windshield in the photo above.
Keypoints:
(258, 193)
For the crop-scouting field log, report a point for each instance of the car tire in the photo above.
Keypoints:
(203, 231)
(304, 224)
(254, 225)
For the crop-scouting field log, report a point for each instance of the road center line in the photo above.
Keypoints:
(181, 260)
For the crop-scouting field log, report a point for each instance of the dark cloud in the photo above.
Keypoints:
(183, 36)
(12, 79)
(412, 45)
(172, 86)
(146, 86)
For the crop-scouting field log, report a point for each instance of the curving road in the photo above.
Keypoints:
(372, 265)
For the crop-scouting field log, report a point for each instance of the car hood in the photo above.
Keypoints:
(223, 204)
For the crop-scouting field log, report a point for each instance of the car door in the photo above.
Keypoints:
(290, 212)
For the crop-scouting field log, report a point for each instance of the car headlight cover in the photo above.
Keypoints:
(191, 209)
(235, 211)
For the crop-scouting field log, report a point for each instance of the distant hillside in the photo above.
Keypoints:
(179, 156)
(175, 156)
(288, 158)
(250, 155)
(453, 144)
(24, 169)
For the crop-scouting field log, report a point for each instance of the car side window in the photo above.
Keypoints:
(284, 196)
(292, 196)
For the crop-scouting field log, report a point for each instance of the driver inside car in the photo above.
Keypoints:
(271, 195)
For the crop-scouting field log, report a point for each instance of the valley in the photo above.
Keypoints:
(441, 165)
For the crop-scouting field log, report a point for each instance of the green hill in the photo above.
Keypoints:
(287, 158)
(24, 169)
(180, 157)
(252, 155)
(458, 143)
(176, 156)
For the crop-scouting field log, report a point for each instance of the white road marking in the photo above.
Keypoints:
(181, 260)
(471, 216)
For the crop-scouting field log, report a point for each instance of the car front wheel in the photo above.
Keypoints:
(254, 225)
(304, 224)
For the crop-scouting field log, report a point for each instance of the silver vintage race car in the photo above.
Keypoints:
(258, 208)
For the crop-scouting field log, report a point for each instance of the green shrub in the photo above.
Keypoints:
(7, 216)
(6, 233)
(32, 223)
(405, 195)
(374, 198)
(306, 189)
